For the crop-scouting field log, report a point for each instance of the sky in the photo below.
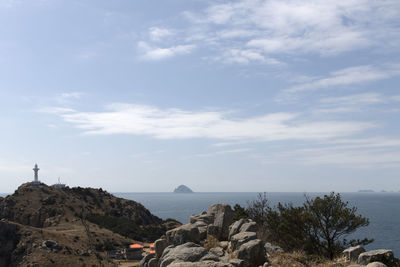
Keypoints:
(222, 96)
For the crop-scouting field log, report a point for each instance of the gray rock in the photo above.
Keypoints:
(269, 248)
(352, 253)
(183, 234)
(51, 245)
(249, 227)
(210, 257)
(235, 227)
(376, 264)
(205, 218)
(152, 263)
(200, 264)
(241, 238)
(188, 252)
(213, 230)
(224, 244)
(237, 262)
(253, 252)
(382, 255)
(144, 262)
(223, 218)
(217, 251)
(159, 246)
(356, 265)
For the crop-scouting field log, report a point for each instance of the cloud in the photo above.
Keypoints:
(75, 95)
(246, 56)
(348, 76)
(223, 152)
(281, 27)
(361, 153)
(182, 124)
(157, 53)
(356, 99)
(157, 34)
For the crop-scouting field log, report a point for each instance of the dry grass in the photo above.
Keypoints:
(300, 259)
(210, 242)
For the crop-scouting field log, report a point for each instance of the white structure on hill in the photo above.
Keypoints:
(36, 181)
(59, 185)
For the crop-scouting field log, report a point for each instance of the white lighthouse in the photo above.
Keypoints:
(36, 170)
(36, 182)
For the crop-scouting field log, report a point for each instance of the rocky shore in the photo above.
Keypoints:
(213, 239)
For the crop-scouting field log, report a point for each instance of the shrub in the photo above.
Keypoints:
(318, 227)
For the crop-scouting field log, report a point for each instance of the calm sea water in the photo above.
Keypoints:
(383, 209)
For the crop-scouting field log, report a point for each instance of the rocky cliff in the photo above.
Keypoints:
(45, 226)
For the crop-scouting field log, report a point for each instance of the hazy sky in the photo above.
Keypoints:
(246, 95)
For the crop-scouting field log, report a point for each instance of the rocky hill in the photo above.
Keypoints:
(45, 226)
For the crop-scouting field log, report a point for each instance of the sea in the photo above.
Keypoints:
(382, 209)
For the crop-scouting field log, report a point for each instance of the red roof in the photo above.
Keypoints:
(152, 251)
(135, 246)
(152, 245)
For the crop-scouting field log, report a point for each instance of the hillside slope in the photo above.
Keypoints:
(83, 222)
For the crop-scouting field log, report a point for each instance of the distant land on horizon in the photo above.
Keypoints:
(183, 189)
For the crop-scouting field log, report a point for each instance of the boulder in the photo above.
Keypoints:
(269, 248)
(217, 251)
(213, 230)
(241, 238)
(234, 228)
(200, 264)
(381, 255)
(183, 234)
(249, 227)
(159, 246)
(352, 253)
(253, 252)
(152, 263)
(237, 263)
(376, 264)
(144, 262)
(188, 252)
(51, 245)
(205, 218)
(223, 218)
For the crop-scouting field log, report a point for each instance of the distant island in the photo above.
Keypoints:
(366, 191)
(183, 189)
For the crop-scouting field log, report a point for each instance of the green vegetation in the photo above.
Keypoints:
(128, 228)
(318, 227)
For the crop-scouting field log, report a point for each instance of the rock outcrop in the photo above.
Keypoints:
(210, 239)
(45, 226)
(381, 255)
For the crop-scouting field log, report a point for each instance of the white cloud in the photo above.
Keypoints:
(274, 27)
(246, 56)
(348, 76)
(356, 99)
(223, 152)
(396, 98)
(157, 34)
(360, 153)
(75, 95)
(179, 124)
(157, 53)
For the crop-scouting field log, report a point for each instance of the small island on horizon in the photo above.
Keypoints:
(183, 189)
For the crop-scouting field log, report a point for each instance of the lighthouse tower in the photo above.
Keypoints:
(36, 170)
(36, 182)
